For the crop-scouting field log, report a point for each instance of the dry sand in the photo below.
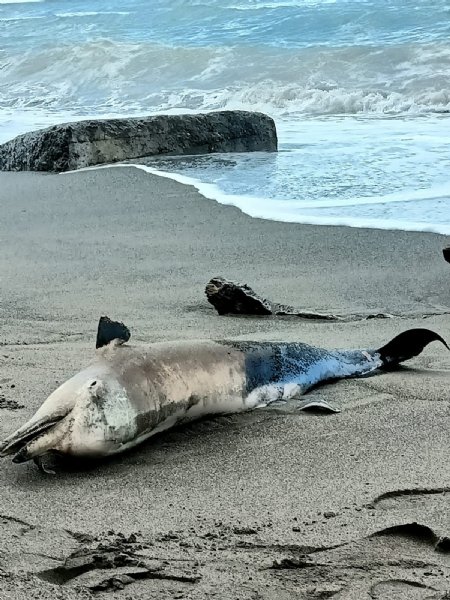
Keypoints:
(271, 504)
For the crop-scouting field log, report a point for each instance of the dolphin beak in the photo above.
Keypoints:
(29, 432)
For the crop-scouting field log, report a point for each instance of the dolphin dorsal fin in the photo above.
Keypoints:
(109, 330)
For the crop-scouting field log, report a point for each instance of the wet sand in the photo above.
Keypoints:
(271, 504)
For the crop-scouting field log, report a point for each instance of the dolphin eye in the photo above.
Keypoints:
(93, 383)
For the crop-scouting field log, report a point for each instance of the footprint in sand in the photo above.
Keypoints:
(397, 589)
(408, 561)
(412, 497)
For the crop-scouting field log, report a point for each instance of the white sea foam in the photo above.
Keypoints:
(90, 13)
(280, 4)
(293, 99)
(21, 18)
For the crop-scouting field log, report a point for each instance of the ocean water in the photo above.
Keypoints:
(359, 90)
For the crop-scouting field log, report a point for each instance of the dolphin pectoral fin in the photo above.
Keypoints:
(295, 401)
(26, 434)
(313, 405)
(407, 345)
(296, 404)
(109, 330)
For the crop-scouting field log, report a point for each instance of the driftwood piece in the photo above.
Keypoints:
(446, 253)
(228, 297)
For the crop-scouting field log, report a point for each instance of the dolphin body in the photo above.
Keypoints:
(130, 393)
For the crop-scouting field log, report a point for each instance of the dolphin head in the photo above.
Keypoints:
(88, 415)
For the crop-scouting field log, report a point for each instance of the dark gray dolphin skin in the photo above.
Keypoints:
(129, 393)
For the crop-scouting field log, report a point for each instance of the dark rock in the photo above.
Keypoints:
(446, 253)
(84, 143)
(235, 298)
(228, 297)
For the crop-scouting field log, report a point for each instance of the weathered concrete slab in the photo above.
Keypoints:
(85, 143)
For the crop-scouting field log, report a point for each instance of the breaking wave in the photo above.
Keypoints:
(105, 75)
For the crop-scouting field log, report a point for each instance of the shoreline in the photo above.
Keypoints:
(251, 205)
(226, 498)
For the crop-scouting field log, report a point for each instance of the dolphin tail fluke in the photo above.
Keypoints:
(407, 345)
(31, 430)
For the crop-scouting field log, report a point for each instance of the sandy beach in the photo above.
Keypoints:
(270, 504)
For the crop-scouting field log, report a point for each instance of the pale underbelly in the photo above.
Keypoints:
(226, 404)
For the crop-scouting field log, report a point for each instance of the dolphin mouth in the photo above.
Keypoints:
(22, 456)
(17, 443)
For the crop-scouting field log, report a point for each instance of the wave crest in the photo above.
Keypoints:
(106, 75)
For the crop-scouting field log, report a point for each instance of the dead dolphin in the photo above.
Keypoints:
(129, 393)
